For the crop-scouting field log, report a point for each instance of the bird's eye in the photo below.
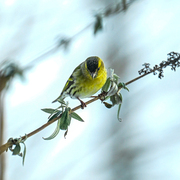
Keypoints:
(98, 69)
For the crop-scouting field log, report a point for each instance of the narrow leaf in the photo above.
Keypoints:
(56, 131)
(98, 24)
(65, 134)
(120, 96)
(126, 88)
(118, 113)
(68, 118)
(106, 85)
(17, 149)
(113, 89)
(116, 99)
(76, 116)
(54, 115)
(122, 85)
(24, 153)
(115, 78)
(48, 110)
(63, 123)
(108, 105)
(62, 101)
(111, 72)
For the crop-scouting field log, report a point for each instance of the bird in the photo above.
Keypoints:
(86, 79)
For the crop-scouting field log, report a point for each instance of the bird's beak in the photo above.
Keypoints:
(93, 74)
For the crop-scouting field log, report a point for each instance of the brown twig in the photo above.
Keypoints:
(75, 109)
(2, 157)
(135, 79)
(173, 61)
(55, 119)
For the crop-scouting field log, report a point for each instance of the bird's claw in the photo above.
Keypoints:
(83, 104)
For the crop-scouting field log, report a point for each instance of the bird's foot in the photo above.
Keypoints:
(83, 104)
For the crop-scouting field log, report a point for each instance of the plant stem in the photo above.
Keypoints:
(2, 157)
(75, 109)
(135, 79)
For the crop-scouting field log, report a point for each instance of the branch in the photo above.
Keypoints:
(8, 144)
(173, 61)
(112, 9)
(97, 24)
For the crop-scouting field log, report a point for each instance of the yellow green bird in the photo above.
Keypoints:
(86, 79)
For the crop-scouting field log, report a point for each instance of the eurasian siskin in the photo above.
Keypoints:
(86, 80)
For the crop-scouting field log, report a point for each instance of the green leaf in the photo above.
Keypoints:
(76, 116)
(98, 24)
(54, 115)
(64, 42)
(120, 96)
(122, 85)
(108, 105)
(24, 153)
(65, 134)
(48, 110)
(126, 88)
(68, 118)
(17, 149)
(62, 101)
(64, 117)
(113, 89)
(115, 78)
(56, 131)
(118, 117)
(111, 72)
(106, 85)
(116, 99)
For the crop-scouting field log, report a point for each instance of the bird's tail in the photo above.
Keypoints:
(61, 97)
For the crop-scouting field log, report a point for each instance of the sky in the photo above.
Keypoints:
(145, 145)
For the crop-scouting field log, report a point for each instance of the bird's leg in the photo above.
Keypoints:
(83, 104)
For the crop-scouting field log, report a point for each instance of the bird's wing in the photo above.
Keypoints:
(72, 78)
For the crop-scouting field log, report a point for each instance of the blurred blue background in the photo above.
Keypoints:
(145, 145)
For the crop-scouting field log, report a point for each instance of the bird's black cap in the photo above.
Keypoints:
(92, 63)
